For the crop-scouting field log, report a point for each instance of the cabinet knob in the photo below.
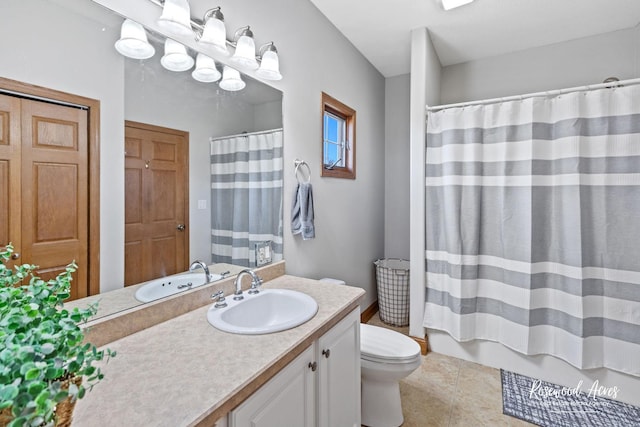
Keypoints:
(313, 366)
(15, 255)
(180, 227)
(326, 353)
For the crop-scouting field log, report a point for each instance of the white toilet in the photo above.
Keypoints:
(386, 357)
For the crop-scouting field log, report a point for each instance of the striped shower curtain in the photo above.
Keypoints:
(533, 226)
(246, 196)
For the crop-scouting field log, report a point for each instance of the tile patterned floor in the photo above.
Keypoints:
(450, 392)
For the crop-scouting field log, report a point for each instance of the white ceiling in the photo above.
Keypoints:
(484, 28)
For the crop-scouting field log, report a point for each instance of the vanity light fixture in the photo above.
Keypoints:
(214, 32)
(452, 4)
(211, 31)
(206, 70)
(175, 56)
(245, 54)
(176, 17)
(269, 64)
(133, 41)
(231, 80)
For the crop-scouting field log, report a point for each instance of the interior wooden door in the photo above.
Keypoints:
(55, 190)
(44, 186)
(10, 219)
(156, 202)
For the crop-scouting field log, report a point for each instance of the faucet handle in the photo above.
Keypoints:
(255, 284)
(218, 297)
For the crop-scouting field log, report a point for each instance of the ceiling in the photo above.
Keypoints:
(381, 30)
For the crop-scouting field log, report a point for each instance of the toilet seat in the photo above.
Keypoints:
(386, 346)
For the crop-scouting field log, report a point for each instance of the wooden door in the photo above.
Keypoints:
(10, 145)
(44, 187)
(55, 189)
(156, 202)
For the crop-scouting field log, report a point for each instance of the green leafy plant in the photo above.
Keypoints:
(41, 345)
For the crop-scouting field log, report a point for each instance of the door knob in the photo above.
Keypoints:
(180, 227)
(15, 255)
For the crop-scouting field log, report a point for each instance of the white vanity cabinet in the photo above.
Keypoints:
(338, 356)
(288, 399)
(321, 387)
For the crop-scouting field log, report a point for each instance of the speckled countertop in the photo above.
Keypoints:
(185, 372)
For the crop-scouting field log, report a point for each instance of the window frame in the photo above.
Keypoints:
(336, 108)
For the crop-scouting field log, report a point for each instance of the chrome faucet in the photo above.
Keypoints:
(256, 281)
(194, 266)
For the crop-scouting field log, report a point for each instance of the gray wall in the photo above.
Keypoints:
(396, 167)
(397, 149)
(349, 213)
(574, 63)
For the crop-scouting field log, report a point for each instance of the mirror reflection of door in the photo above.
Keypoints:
(44, 209)
(156, 202)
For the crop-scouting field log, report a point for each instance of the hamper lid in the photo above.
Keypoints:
(385, 344)
(393, 263)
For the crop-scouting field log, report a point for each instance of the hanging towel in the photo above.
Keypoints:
(302, 212)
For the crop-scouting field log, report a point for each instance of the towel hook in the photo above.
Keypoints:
(297, 163)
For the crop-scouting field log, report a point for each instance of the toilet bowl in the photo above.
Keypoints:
(386, 358)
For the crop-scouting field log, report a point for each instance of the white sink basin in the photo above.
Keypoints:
(271, 310)
(169, 285)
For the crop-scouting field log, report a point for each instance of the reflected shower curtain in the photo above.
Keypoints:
(533, 226)
(246, 196)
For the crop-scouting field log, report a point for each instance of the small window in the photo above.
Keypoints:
(338, 139)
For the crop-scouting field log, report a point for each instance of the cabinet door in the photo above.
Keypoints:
(339, 374)
(286, 400)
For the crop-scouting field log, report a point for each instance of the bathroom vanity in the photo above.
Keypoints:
(185, 372)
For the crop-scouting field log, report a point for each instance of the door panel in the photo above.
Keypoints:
(164, 196)
(55, 190)
(10, 219)
(133, 254)
(55, 221)
(156, 202)
(5, 192)
(163, 255)
(133, 196)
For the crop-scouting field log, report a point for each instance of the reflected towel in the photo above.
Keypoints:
(302, 212)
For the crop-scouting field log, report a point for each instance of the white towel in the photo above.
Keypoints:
(302, 212)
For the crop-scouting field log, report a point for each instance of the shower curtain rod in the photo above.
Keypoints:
(218, 138)
(536, 94)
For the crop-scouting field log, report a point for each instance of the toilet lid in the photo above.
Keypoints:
(386, 345)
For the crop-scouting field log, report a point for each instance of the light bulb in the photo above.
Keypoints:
(176, 17)
(245, 54)
(175, 56)
(206, 70)
(133, 41)
(231, 80)
(270, 66)
(215, 34)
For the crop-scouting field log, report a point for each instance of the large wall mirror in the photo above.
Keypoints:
(68, 46)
